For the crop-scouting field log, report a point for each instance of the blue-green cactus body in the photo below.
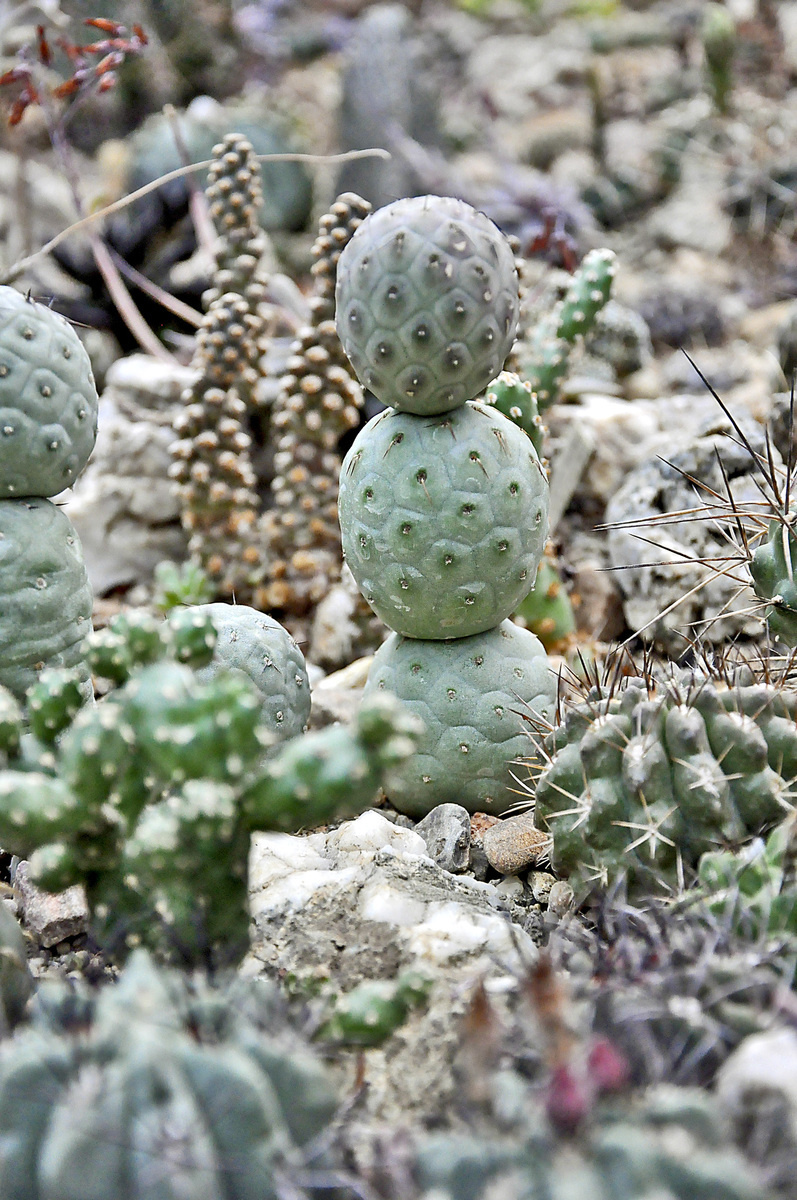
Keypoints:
(427, 303)
(45, 595)
(48, 401)
(443, 519)
(470, 694)
(772, 567)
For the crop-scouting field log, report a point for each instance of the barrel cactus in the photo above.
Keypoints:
(256, 644)
(157, 1089)
(641, 783)
(427, 303)
(443, 500)
(45, 594)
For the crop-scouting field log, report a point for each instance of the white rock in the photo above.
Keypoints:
(764, 1062)
(371, 832)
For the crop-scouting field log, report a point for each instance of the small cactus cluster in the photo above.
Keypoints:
(149, 798)
(158, 1086)
(374, 1010)
(48, 426)
(212, 467)
(547, 610)
(643, 781)
(671, 1143)
(443, 501)
(718, 35)
(545, 353)
(318, 404)
(675, 990)
(516, 399)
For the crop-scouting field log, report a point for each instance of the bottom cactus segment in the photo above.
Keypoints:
(471, 694)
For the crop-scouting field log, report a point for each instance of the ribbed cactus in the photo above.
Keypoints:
(157, 1088)
(48, 425)
(149, 798)
(545, 354)
(643, 782)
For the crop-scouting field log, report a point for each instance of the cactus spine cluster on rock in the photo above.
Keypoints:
(48, 426)
(443, 500)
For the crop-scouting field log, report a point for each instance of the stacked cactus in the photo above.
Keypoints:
(318, 404)
(545, 354)
(642, 781)
(215, 479)
(443, 500)
(158, 1087)
(48, 426)
(150, 797)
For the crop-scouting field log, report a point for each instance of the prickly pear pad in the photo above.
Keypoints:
(469, 694)
(427, 303)
(443, 519)
(45, 594)
(48, 401)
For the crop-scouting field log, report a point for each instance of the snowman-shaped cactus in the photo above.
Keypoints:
(443, 500)
(48, 426)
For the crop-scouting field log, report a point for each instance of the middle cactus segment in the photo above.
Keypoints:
(444, 519)
(443, 501)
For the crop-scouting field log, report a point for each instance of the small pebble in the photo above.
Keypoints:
(514, 844)
(446, 831)
(541, 883)
(478, 864)
(560, 898)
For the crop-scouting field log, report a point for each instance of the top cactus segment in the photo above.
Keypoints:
(48, 401)
(427, 303)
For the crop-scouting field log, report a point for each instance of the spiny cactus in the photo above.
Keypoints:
(318, 404)
(772, 564)
(755, 888)
(443, 502)
(158, 1087)
(674, 988)
(545, 354)
(149, 798)
(641, 783)
(427, 301)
